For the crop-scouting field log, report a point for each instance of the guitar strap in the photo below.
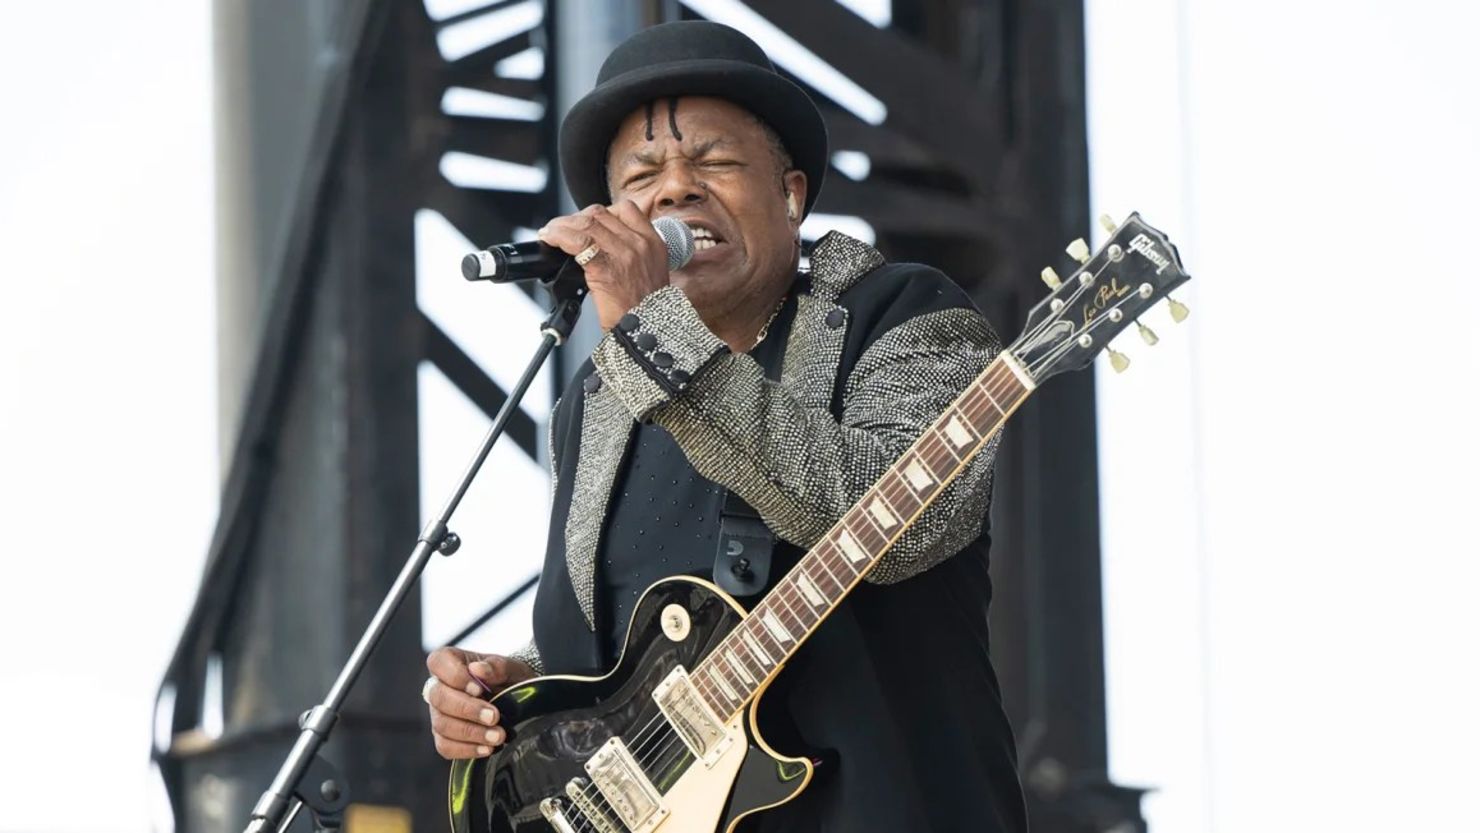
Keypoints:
(742, 561)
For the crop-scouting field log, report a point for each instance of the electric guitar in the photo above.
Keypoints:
(668, 739)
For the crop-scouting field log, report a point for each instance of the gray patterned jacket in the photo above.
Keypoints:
(800, 452)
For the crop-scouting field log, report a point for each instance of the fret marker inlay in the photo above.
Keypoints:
(777, 629)
(814, 597)
(957, 432)
(739, 668)
(881, 512)
(850, 547)
(918, 477)
(755, 648)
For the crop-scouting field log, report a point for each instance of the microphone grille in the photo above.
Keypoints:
(679, 239)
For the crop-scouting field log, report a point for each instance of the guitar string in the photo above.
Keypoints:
(940, 454)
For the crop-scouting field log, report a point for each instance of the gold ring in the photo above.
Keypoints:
(587, 254)
(426, 689)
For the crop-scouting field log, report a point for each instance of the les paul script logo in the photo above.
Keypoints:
(1102, 299)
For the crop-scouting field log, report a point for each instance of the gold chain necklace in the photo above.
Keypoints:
(766, 327)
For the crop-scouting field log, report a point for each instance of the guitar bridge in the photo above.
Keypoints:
(689, 714)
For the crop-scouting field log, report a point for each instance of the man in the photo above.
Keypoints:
(736, 383)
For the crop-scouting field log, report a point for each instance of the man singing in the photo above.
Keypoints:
(739, 383)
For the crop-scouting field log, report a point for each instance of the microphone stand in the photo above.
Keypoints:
(305, 778)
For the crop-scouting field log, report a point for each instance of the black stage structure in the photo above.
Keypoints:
(331, 128)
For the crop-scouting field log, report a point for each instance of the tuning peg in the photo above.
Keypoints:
(1109, 225)
(1079, 250)
(1051, 278)
(1179, 309)
(1146, 334)
(1118, 361)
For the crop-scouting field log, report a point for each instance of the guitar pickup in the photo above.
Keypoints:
(626, 788)
(691, 717)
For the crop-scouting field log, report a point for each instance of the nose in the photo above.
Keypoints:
(680, 186)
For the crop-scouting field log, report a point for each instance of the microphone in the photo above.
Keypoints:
(534, 260)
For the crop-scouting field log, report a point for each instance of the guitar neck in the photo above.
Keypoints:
(742, 663)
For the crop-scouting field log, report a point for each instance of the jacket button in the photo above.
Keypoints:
(835, 318)
(678, 377)
(646, 341)
(662, 360)
(628, 323)
(592, 383)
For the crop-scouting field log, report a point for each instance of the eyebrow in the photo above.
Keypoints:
(701, 148)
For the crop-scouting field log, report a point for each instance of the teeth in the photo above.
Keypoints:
(702, 243)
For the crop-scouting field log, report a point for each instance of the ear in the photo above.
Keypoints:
(795, 183)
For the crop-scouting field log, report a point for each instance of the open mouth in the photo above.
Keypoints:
(704, 238)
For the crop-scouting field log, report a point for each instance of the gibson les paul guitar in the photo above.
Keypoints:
(668, 739)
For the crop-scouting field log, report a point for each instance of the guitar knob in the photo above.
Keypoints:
(1051, 278)
(1108, 224)
(1179, 310)
(1118, 361)
(1079, 250)
(1147, 335)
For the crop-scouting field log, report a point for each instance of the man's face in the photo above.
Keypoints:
(718, 173)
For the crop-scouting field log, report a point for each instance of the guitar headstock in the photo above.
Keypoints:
(1106, 293)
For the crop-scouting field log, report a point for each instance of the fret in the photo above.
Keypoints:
(958, 430)
(901, 494)
(935, 435)
(777, 605)
(917, 476)
(982, 388)
(704, 683)
(850, 547)
(882, 513)
(838, 563)
(822, 564)
(802, 612)
(774, 647)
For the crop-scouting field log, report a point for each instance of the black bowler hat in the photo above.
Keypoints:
(687, 58)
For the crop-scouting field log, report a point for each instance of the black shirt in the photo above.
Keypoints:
(661, 521)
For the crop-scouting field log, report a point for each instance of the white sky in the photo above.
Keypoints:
(107, 389)
(1289, 570)
(1286, 479)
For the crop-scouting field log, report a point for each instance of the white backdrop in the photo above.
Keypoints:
(108, 470)
(1289, 569)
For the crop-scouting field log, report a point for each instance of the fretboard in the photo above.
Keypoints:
(801, 599)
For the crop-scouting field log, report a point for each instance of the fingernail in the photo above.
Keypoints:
(481, 669)
(487, 716)
(485, 750)
(473, 689)
(495, 736)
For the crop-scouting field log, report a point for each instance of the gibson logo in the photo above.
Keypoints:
(1102, 299)
(1143, 244)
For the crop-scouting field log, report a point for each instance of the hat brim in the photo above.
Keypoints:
(588, 129)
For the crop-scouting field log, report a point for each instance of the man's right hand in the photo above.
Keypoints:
(464, 722)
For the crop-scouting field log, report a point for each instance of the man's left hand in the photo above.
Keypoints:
(630, 261)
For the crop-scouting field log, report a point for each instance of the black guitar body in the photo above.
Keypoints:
(555, 724)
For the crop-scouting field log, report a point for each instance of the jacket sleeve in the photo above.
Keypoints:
(800, 467)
